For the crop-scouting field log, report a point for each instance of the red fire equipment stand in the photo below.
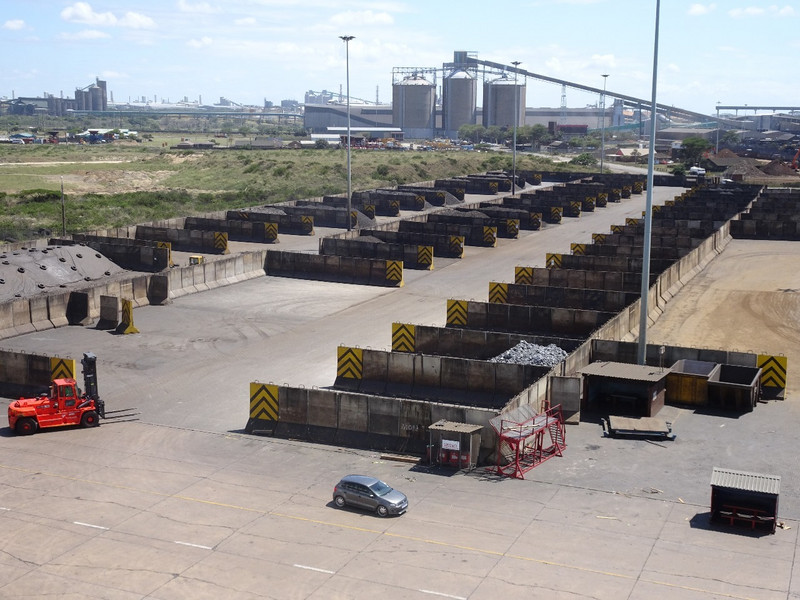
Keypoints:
(524, 446)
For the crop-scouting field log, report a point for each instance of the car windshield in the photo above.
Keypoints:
(380, 488)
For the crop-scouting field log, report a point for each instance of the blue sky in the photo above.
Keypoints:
(728, 51)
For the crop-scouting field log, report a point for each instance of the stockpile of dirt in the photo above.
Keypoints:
(725, 153)
(778, 169)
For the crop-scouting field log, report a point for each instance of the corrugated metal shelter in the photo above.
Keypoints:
(623, 388)
(745, 499)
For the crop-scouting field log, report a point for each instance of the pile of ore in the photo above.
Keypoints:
(526, 353)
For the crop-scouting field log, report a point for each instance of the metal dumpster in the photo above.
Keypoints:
(734, 387)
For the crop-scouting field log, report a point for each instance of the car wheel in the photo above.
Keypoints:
(382, 511)
(89, 419)
(339, 501)
(25, 426)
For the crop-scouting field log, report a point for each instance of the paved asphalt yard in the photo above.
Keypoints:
(169, 500)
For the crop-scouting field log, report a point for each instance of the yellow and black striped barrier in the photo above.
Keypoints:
(425, 257)
(394, 272)
(457, 246)
(369, 210)
(523, 275)
(456, 312)
(576, 206)
(512, 228)
(616, 195)
(537, 179)
(244, 216)
(602, 199)
(353, 219)
(656, 208)
(264, 404)
(350, 362)
(578, 249)
(271, 232)
(404, 337)
(626, 191)
(536, 221)
(395, 206)
(493, 187)
(490, 235)
(308, 224)
(419, 201)
(589, 203)
(126, 322)
(168, 246)
(221, 242)
(599, 238)
(498, 293)
(638, 187)
(631, 221)
(669, 203)
(617, 228)
(555, 214)
(553, 261)
(62, 368)
(773, 371)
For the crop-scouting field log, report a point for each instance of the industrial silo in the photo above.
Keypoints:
(413, 103)
(459, 96)
(96, 95)
(500, 97)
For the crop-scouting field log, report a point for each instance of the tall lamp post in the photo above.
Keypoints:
(346, 39)
(603, 128)
(516, 63)
(716, 149)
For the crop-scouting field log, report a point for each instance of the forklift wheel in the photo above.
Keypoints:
(90, 419)
(25, 426)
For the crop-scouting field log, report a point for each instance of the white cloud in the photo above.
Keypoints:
(604, 60)
(701, 9)
(786, 11)
(82, 12)
(361, 18)
(14, 24)
(198, 7)
(201, 43)
(247, 21)
(86, 34)
(749, 11)
(673, 68)
(136, 21)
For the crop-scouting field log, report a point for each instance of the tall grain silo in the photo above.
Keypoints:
(499, 103)
(459, 96)
(413, 103)
(96, 95)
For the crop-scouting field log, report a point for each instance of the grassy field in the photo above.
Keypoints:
(124, 183)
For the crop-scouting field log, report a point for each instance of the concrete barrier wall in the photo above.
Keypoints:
(362, 271)
(23, 374)
(378, 422)
(184, 239)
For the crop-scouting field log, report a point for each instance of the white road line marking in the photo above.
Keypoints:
(443, 595)
(315, 569)
(90, 525)
(194, 545)
(4, 508)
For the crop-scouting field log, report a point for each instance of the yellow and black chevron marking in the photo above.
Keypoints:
(440, 196)
(537, 178)
(656, 208)
(404, 337)
(308, 223)
(626, 191)
(490, 235)
(631, 221)
(350, 363)
(576, 207)
(221, 242)
(498, 293)
(264, 401)
(553, 261)
(578, 249)
(590, 202)
(394, 272)
(271, 232)
(616, 195)
(456, 312)
(493, 186)
(395, 204)
(555, 214)
(244, 216)
(536, 220)
(353, 218)
(369, 210)
(523, 275)
(425, 256)
(512, 227)
(669, 203)
(602, 199)
(419, 201)
(638, 187)
(457, 245)
(168, 246)
(62, 368)
(599, 238)
(126, 323)
(773, 370)
(617, 228)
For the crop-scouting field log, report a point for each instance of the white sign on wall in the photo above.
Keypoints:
(451, 445)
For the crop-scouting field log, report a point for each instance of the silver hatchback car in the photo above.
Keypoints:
(371, 494)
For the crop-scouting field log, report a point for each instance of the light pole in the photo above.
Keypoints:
(516, 63)
(716, 149)
(346, 39)
(603, 127)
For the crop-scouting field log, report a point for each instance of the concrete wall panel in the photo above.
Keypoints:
(39, 316)
(384, 416)
(427, 370)
(293, 405)
(353, 412)
(21, 311)
(323, 408)
(454, 372)
(376, 365)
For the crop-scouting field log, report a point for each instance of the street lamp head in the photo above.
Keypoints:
(346, 38)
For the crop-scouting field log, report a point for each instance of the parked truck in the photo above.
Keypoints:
(64, 404)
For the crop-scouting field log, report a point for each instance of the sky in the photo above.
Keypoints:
(729, 52)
